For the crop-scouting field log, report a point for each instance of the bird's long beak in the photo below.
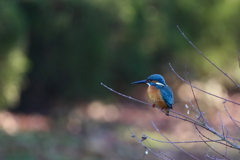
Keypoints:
(138, 82)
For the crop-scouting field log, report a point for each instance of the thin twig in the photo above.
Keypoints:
(139, 141)
(197, 112)
(182, 141)
(214, 149)
(228, 135)
(194, 109)
(232, 145)
(200, 112)
(207, 58)
(201, 89)
(222, 124)
(214, 140)
(233, 120)
(206, 155)
(226, 149)
(125, 95)
(214, 157)
(172, 142)
(165, 155)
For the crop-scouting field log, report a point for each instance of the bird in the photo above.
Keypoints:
(159, 92)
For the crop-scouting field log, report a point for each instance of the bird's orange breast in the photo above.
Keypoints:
(155, 96)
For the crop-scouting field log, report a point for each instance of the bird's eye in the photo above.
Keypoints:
(149, 80)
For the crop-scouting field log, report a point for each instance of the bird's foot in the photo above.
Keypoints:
(153, 105)
(165, 111)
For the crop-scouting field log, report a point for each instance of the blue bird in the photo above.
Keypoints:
(159, 92)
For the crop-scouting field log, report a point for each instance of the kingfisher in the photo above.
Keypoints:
(159, 92)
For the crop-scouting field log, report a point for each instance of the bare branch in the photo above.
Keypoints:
(140, 141)
(201, 116)
(165, 155)
(214, 149)
(194, 109)
(201, 89)
(233, 120)
(200, 112)
(125, 95)
(226, 149)
(172, 142)
(181, 141)
(214, 140)
(227, 131)
(222, 124)
(214, 157)
(207, 58)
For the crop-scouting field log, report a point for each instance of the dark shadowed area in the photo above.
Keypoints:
(54, 55)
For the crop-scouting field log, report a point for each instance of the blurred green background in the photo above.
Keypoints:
(55, 53)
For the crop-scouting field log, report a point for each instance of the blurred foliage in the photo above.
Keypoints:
(13, 60)
(33, 145)
(74, 45)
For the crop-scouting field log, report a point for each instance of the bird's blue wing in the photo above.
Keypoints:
(167, 95)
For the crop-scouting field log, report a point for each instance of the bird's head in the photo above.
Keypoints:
(154, 79)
